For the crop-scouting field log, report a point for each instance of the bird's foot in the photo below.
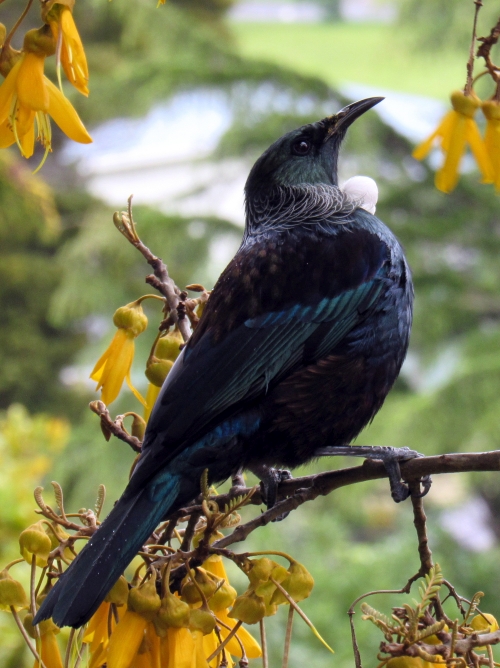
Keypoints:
(269, 481)
(389, 456)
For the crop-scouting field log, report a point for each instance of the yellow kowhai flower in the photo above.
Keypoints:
(177, 648)
(215, 565)
(491, 109)
(70, 52)
(47, 646)
(456, 130)
(113, 367)
(27, 96)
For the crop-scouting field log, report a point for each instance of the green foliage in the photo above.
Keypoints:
(32, 350)
(439, 24)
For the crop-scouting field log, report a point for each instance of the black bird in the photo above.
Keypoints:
(301, 340)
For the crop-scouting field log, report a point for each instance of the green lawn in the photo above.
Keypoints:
(378, 55)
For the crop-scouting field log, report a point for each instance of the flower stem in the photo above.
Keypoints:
(33, 593)
(9, 37)
(26, 636)
(223, 644)
(288, 637)
(263, 642)
(67, 656)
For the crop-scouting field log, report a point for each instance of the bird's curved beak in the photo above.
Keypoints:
(339, 123)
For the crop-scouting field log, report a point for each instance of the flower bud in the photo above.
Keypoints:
(479, 623)
(47, 626)
(132, 318)
(168, 346)
(11, 593)
(491, 109)
(201, 620)
(466, 105)
(260, 570)
(138, 427)
(248, 608)
(267, 588)
(298, 584)
(40, 41)
(3, 34)
(118, 594)
(34, 541)
(173, 613)
(144, 600)
(208, 585)
(223, 598)
(157, 370)
(406, 662)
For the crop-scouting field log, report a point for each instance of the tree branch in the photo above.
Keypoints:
(161, 280)
(293, 493)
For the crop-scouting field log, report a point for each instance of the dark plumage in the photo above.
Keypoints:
(301, 340)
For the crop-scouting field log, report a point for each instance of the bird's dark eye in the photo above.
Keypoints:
(301, 147)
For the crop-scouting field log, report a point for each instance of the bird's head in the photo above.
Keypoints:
(306, 155)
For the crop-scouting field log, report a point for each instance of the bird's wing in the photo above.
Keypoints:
(227, 365)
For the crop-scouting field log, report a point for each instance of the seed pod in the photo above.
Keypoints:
(201, 620)
(144, 600)
(298, 584)
(118, 594)
(34, 541)
(248, 608)
(173, 613)
(12, 593)
(208, 585)
(132, 318)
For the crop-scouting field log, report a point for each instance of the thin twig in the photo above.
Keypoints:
(263, 643)
(112, 427)
(189, 533)
(230, 635)
(470, 62)
(32, 593)
(69, 647)
(288, 638)
(26, 637)
(161, 280)
(419, 520)
(16, 25)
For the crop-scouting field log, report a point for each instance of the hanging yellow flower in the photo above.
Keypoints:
(491, 109)
(456, 130)
(113, 367)
(48, 647)
(27, 96)
(70, 52)
(215, 565)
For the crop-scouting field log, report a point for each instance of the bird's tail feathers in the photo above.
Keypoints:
(81, 589)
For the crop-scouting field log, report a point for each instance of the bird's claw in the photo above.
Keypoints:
(391, 457)
(270, 479)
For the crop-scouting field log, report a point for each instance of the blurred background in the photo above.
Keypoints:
(184, 98)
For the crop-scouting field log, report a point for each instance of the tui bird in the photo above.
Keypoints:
(301, 340)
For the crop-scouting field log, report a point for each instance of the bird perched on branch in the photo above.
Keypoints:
(301, 340)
